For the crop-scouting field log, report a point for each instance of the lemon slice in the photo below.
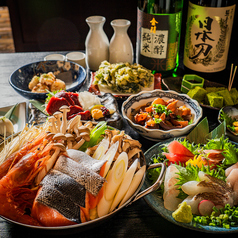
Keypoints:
(98, 106)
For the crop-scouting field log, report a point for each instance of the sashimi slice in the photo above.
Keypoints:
(101, 149)
(125, 184)
(192, 188)
(116, 176)
(229, 169)
(176, 147)
(171, 200)
(176, 158)
(134, 184)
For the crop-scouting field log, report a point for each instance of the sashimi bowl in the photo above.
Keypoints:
(72, 74)
(136, 104)
(72, 190)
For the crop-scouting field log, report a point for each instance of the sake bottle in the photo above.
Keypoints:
(208, 33)
(158, 34)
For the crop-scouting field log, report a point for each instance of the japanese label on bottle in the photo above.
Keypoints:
(154, 43)
(157, 40)
(208, 37)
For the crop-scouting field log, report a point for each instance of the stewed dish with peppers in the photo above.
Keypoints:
(165, 115)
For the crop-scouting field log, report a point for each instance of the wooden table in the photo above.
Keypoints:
(136, 220)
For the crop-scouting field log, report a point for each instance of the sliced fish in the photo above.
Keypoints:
(83, 175)
(86, 160)
(65, 185)
(51, 197)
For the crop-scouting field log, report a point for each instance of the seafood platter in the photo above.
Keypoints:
(199, 191)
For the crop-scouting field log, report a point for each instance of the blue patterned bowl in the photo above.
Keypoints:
(134, 102)
(71, 73)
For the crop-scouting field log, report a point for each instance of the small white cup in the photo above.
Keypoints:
(77, 57)
(55, 57)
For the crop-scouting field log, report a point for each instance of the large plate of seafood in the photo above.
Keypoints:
(199, 191)
(69, 174)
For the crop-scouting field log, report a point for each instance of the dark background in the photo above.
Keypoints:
(59, 25)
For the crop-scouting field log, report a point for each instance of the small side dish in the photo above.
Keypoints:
(176, 118)
(123, 77)
(46, 82)
(214, 96)
(163, 114)
(72, 74)
(84, 104)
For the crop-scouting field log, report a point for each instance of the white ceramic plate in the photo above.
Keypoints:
(18, 117)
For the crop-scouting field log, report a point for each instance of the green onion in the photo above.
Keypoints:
(228, 217)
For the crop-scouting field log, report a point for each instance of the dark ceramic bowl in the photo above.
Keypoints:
(71, 73)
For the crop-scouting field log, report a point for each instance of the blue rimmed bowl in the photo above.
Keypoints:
(71, 73)
(134, 102)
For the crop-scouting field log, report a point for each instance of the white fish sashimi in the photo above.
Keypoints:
(170, 180)
(124, 185)
(171, 201)
(109, 156)
(232, 177)
(191, 201)
(191, 188)
(229, 169)
(202, 176)
(171, 183)
(171, 172)
(101, 149)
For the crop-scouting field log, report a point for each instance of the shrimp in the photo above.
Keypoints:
(16, 193)
(15, 157)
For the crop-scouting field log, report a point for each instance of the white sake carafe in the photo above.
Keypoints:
(96, 44)
(120, 48)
